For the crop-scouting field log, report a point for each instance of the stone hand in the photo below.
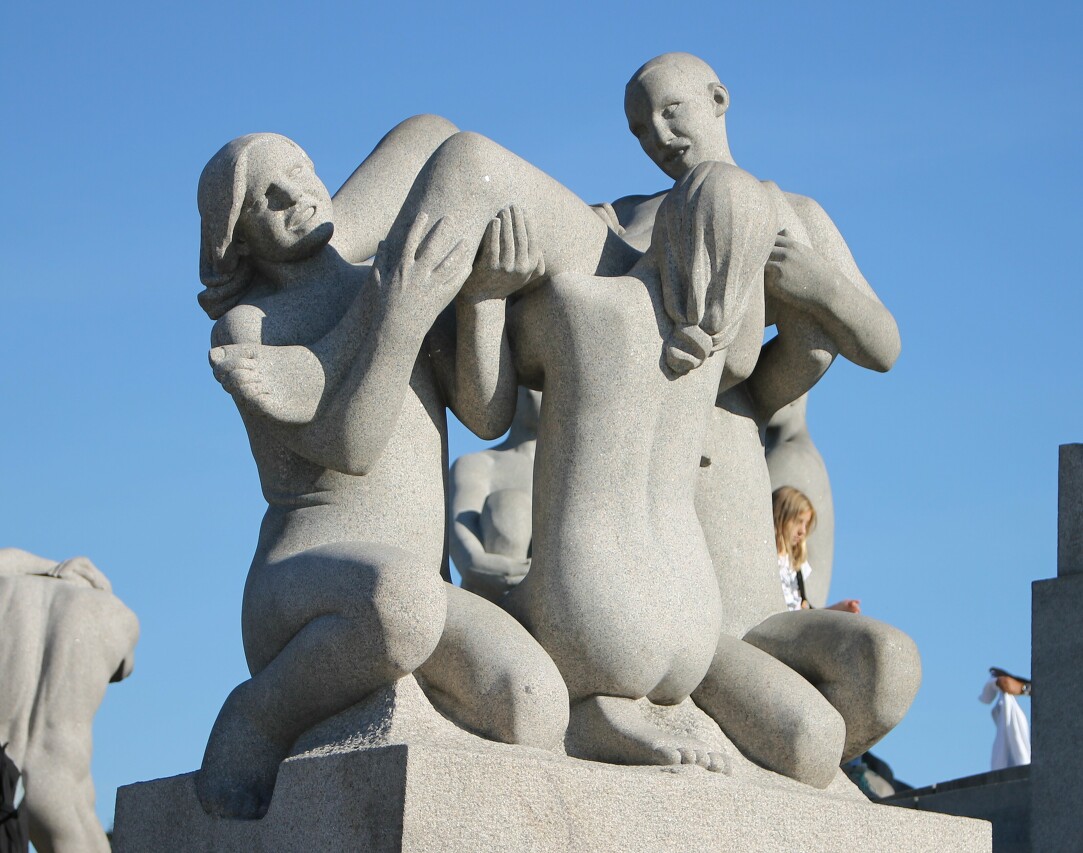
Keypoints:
(508, 258)
(795, 272)
(81, 570)
(430, 271)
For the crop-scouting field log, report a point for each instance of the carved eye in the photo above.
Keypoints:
(670, 110)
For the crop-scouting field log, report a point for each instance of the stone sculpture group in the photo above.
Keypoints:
(637, 582)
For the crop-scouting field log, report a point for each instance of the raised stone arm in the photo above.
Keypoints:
(822, 306)
(822, 279)
(485, 387)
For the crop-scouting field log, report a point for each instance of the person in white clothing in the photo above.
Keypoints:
(795, 517)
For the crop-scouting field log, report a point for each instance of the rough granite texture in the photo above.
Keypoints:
(63, 637)
(1070, 511)
(450, 791)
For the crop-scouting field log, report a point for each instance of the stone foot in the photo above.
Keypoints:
(614, 729)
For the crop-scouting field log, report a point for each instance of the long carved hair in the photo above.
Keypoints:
(222, 193)
(713, 233)
(788, 503)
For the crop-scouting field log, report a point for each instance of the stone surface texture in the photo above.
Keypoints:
(489, 504)
(1002, 797)
(391, 775)
(64, 637)
(636, 637)
(1070, 511)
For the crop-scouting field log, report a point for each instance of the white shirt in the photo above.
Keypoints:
(790, 590)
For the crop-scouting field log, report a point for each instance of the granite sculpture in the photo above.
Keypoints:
(342, 391)
(489, 504)
(643, 632)
(821, 306)
(65, 637)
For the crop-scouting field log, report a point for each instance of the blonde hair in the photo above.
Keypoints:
(787, 504)
(222, 194)
(712, 235)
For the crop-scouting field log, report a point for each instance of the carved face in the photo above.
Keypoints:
(677, 117)
(287, 214)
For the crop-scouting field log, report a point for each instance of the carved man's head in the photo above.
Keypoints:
(259, 200)
(675, 108)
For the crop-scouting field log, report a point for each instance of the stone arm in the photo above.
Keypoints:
(822, 306)
(363, 365)
(827, 285)
(488, 575)
(482, 387)
(79, 570)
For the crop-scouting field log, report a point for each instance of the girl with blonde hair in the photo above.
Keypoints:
(795, 517)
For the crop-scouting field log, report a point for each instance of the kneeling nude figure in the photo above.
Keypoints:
(621, 591)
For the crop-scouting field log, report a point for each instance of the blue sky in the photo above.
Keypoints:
(943, 138)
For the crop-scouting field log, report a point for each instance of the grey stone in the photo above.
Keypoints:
(1002, 797)
(424, 796)
(1057, 727)
(815, 295)
(343, 390)
(489, 500)
(621, 591)
(1070, 511)
(65, 637)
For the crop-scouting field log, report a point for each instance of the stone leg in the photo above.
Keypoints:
(471, 178)
(322, 630)
(868, 670)
(367, 204)
(491, 677)
(773, 715)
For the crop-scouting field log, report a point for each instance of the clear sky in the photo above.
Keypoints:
(943, 138)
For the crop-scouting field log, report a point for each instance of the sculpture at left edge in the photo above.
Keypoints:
(65, 637)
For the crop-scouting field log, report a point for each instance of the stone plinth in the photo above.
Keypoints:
(422, 798)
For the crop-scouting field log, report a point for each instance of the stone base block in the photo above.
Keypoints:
(423, 797)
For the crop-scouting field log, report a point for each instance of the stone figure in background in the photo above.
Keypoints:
(65, 637)
(621, 591)
(342, 391)
(793, 460)
(490, 506)
(821, 305)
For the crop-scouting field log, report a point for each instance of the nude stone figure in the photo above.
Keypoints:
(343, 390)
(821, 305)
(621, 591)
(490, 506)
(65, 637)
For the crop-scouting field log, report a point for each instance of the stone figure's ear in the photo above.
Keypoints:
(721, 97)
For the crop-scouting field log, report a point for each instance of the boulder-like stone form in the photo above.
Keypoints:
(64, 637)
